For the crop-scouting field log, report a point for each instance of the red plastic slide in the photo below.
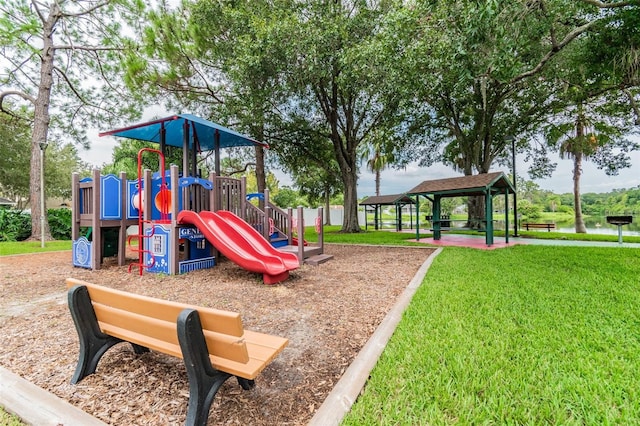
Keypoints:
(258, 241)
(232, 245)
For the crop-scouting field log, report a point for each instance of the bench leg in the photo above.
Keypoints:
(204, 379)
(246, 384)
(93, 343)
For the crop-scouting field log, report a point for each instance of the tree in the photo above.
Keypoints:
(288, 197)
(61, 160)
(51, 48)
(583, 144)
(598, 74)
(309, 157)
(477, 67)
(554, 202)
(217, 59)
(378, 157)
(344, 83)
(14, 157)
(313, 64)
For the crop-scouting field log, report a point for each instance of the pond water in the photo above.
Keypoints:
(599, 225)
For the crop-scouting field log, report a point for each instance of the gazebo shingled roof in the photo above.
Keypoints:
(464, 185)
(376, 202)
(387, 200)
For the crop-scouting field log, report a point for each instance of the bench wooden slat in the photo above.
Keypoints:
(263, 343)
(262, 349)
(146, 341)
(162, 335)
(217, 320)
(140, 324)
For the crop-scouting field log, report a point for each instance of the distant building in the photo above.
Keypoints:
(6, 203)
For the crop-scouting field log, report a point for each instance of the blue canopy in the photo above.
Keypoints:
(202, 131)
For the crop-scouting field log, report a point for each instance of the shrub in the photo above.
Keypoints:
(60, 223)
(529, 211)
(566, 209)
(14, 225)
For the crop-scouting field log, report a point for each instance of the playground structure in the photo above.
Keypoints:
(184, 222)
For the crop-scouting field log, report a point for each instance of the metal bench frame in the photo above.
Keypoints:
(204, 379)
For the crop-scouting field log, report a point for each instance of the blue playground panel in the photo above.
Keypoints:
(81, 253)
(157, 240)
(199, 251)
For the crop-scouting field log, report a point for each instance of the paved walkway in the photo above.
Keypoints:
(478, 241)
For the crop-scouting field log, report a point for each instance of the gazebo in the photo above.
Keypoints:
(486, 184)
(375, 203)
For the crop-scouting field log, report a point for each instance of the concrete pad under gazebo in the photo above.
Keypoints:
(486, 184)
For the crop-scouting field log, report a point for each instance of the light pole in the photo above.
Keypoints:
(43, 147)
(512, 139)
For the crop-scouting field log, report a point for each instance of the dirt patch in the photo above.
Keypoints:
(327, 312)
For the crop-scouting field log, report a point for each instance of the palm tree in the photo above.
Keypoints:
(579, 147)
(377, 159)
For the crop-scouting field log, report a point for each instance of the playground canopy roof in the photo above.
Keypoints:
(485, 183)
(202, 132)
(193, 134)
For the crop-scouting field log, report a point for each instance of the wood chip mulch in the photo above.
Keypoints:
(328, 312)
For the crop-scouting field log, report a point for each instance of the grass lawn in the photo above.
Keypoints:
(22, 247)
(7, 419)
(524, 335)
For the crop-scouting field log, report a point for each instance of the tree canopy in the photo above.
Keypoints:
(322, 82)
(62, 60)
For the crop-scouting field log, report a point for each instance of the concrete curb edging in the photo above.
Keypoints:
(35, 406)
(344, 394)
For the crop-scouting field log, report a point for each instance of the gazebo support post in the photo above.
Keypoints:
(489, 218)
(417, 217)
(376, 217)
(365, 218)
(506, 216)
(436, 218)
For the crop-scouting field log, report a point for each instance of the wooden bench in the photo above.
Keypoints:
(213, 343)
(547, 226)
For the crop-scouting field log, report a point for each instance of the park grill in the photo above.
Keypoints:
(619, 221)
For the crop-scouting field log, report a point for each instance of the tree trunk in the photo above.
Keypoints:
(475, 209)
(41, 127)
(261, 177)
(476, 212)
(350, 219)
(377, 182)
(327, 208)
(577, 173)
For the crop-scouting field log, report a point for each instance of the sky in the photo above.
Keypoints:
(592, 180)
(400, 181)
